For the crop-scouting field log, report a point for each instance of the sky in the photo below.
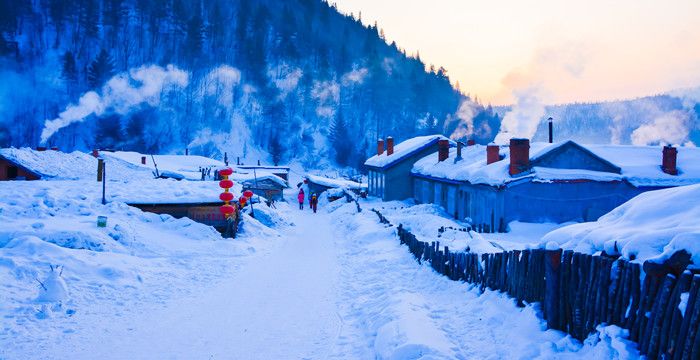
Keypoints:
(568, 51)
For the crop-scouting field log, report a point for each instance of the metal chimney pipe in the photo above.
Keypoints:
(551, 130)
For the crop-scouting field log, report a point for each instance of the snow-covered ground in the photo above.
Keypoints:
(429, 222)
(331, 285)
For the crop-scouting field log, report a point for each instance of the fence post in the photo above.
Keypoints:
(551, 297)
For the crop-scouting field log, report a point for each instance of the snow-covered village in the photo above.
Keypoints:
(350, 179)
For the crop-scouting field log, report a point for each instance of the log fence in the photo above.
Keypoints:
(580, 291)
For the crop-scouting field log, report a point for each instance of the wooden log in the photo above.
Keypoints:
(580, 291)
(686, 334)
(636, 296)
(615, 290)
(657, 315)
(672, 317)
(564, 284)
(551, 300)
(644, 319)
(618, 305)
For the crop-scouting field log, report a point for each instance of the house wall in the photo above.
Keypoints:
(266, 188)
(396, 182)
(562, 202)
(22, 174)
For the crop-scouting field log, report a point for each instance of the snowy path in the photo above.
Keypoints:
(334, 286)
(281, 305)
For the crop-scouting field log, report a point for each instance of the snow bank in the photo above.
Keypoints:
(651, 226)
(335, 183)
(411, 312)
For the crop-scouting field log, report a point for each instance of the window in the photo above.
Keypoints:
(12, 172)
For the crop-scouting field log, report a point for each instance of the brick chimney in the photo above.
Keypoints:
(459, 151)
(389, 145)
(492, 153)
(471, 142)
(443, 149)
(95, 153)
(143, 160)
(668, 165)
(380, 146)
(41, 148)
(519, 156)
(54, 148)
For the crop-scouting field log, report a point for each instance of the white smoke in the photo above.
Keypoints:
(221, 82)
(465, 114)
(524, 117)
(670, 128)
(356, 76)
(120, 94)
(285, 78)
(327, 93)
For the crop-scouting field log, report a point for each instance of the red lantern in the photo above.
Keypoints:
(226, 184)
(227, 196)
(227, 209)
(226, 172)
(242, 200)
(248, 194)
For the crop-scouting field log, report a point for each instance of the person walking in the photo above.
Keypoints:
(314, 202)
(300, 197)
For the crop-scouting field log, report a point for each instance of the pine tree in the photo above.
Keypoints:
(90, 18)
(100, 70)
(69, 71)
(338, 136)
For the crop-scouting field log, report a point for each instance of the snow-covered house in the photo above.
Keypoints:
(545, 182)
(269, 186)
(280, 171)
(318, 184)
(389, 171)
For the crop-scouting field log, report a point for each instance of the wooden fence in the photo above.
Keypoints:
(579, 291)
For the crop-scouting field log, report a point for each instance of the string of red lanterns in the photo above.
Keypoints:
(227, 197)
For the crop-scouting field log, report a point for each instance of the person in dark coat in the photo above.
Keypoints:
(300, 197)
(314, 202)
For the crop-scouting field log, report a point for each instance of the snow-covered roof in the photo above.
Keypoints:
(268, 168)
(186, 165)
(249, 177)
(335, 183)
(639, 165)
(57, 165)
(653, 225)
(403, 150)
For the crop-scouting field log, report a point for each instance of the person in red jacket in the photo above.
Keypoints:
(314, 202)
(300, 197)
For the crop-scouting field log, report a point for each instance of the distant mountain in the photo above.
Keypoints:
(292, 79)
(662, 119)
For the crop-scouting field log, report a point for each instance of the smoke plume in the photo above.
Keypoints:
(465, 114)
(670, 128)
(524, 117)
(120, 94)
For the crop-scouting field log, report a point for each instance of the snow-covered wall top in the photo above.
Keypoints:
(404, 149)
(639, 165)
(653, 225)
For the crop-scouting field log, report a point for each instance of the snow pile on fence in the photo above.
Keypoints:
(652, 226)
(57, 165)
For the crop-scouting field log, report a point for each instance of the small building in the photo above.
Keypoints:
(389, 171)
(318, 184)
(269, 186)
(280, 171)
(494, 185)
(12, 170)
